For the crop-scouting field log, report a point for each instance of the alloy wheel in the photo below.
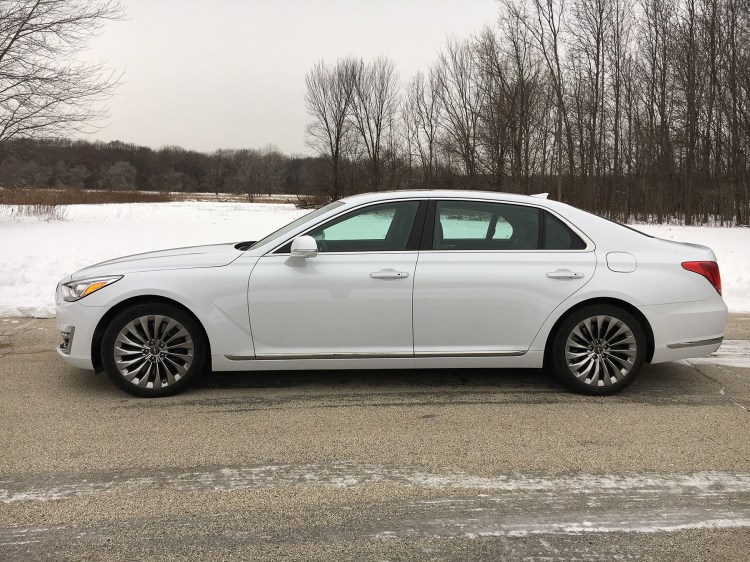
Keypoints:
(153, 351)
(601, 350)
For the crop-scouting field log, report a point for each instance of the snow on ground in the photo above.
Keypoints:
(732, 353)
(35, 255)
(732, 249)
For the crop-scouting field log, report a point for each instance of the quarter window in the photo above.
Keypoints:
(557, 236)
(377, 228)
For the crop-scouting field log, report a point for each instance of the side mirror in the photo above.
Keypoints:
(302, 247)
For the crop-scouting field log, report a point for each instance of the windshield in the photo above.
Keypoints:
(294, 224)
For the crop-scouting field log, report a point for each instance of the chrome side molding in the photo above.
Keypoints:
(699, 343)
(405, 355)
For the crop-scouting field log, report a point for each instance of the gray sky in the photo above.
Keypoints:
(208, 74)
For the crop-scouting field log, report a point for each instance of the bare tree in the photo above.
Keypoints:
(590, 32)
(218, 170)
(687, 71)
(119, 175)
(421, 115)
(44, 89)
(374, 106)
(526, 87)
(260, 171)
(497, 120)
(330, 91)
(737, 28)
(546, 27)
(656, 57)
(511, 100)
(461, 97)
(617, 53)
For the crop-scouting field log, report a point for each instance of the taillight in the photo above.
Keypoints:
(709, 270)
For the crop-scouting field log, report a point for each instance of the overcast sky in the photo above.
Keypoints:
(208, 74)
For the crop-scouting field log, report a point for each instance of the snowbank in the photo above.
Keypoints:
(732, 249)
(35, 255)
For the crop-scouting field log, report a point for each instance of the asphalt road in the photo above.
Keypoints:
(444, 465)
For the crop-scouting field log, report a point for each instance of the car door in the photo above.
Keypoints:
(490, 274)
(353, 299)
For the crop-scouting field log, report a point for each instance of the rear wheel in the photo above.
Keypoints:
(599, 349)
(153, 350)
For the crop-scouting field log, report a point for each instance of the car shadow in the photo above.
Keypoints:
(668, 382)
(387, 379)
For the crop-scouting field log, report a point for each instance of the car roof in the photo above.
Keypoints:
(449, 194)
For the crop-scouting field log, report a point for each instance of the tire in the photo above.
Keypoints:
(599, 350)
(154, 349)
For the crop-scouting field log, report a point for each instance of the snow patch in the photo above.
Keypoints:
(348, 475)
(731, 353)
(616, 525)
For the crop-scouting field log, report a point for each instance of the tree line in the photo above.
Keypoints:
(629, 108)
(78, 164)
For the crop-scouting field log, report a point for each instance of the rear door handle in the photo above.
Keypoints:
(389, 274)
(564, 274)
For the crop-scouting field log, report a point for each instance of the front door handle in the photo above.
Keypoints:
(389, 274)
(564, 274)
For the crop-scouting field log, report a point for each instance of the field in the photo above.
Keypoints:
(36, 253)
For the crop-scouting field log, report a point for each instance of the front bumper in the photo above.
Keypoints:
(79, 323)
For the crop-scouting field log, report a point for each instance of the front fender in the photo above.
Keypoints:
(217, 296)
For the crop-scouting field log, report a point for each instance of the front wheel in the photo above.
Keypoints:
(599, 349)
(153, 350)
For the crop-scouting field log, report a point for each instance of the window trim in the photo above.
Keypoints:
(412, 244)
(429, 228)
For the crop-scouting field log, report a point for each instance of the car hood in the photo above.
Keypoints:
(214, 255)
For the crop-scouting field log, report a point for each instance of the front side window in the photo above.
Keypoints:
(477, 225)
(377, 228)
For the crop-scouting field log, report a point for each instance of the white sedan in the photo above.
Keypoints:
(400, 280)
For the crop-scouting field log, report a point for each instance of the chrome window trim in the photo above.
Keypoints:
(323, 254)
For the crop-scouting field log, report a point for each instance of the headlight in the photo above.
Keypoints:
(76, 290)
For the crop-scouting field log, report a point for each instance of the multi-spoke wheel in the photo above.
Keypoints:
(599, 349)
(153, 349)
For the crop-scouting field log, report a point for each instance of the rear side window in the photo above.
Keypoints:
(484, 225)
(557, 235)
(479, 225)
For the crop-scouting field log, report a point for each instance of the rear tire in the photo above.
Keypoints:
(599, 350)
(154, 349)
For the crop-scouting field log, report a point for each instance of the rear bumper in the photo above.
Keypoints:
(684, 330)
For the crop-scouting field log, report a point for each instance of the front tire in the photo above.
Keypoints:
(599, 350)
(153, 350)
